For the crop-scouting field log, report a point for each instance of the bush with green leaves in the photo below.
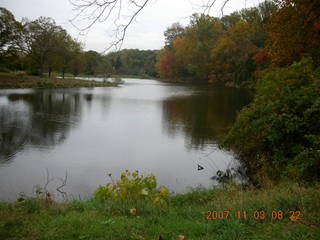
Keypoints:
(133, 186)
(278, 134)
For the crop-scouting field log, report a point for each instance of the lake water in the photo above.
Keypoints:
(146, 125)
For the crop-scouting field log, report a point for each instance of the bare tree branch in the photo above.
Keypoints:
(208, 6)
(48, 180)
(224, 4)
(114, 11)
(63, 184)
(44, 192)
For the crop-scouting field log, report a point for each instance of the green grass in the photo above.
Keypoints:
(10, 80)
(184, 214)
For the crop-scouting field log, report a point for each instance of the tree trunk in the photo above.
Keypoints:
(41, 70)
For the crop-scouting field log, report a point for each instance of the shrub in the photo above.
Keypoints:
(132, 186)
(4, 69)
(279, 132)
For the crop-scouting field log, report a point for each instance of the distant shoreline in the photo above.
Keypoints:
(12, 81)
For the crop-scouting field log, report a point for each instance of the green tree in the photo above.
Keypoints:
(91, 62)
(172, 33)
(278, 134)
(259, 17)
(68, 52)
(232, 52)
(42, 38)
(133, 62)
(10, 39)
(77, 63)
(203, 33)
(10, 30)
(105, 66)
(230, 20)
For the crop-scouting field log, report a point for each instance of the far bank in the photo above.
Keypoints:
(10, 81)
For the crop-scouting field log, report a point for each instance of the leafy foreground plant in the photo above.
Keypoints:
(134, 187)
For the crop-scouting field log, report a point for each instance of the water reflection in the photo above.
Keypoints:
(205, 116)
(154, 127)
(41, 119)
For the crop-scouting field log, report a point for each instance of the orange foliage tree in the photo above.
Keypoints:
(233, 49)
(294, 32)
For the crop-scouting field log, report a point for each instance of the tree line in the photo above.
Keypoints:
(41, 46)
(236, 48)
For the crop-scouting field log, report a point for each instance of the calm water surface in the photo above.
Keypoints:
(154, 127)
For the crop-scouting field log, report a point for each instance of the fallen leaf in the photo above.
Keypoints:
(133, 211)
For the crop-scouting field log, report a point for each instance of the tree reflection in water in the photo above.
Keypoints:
(205, 117)
(41, 119)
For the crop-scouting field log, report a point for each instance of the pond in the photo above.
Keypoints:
(147, 125)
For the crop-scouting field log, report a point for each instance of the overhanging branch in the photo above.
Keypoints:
(113, 11)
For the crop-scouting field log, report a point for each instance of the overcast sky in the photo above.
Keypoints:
(145, 33)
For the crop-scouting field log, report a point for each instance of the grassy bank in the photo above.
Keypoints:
(116, 76)
(184, 215)
(133, 76)
(9, 80)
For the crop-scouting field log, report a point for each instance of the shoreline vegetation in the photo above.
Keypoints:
(18, 80)
(283, 211)
(14, 81)
(121, 76)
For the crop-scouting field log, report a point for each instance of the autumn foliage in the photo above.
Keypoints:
(233, 48)
(215, 49)
(262, 57)
(165, 63)
(278, 136)
(294, 32)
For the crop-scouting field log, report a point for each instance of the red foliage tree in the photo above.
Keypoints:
(165, 62)
(262, 57)
(294, 32)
